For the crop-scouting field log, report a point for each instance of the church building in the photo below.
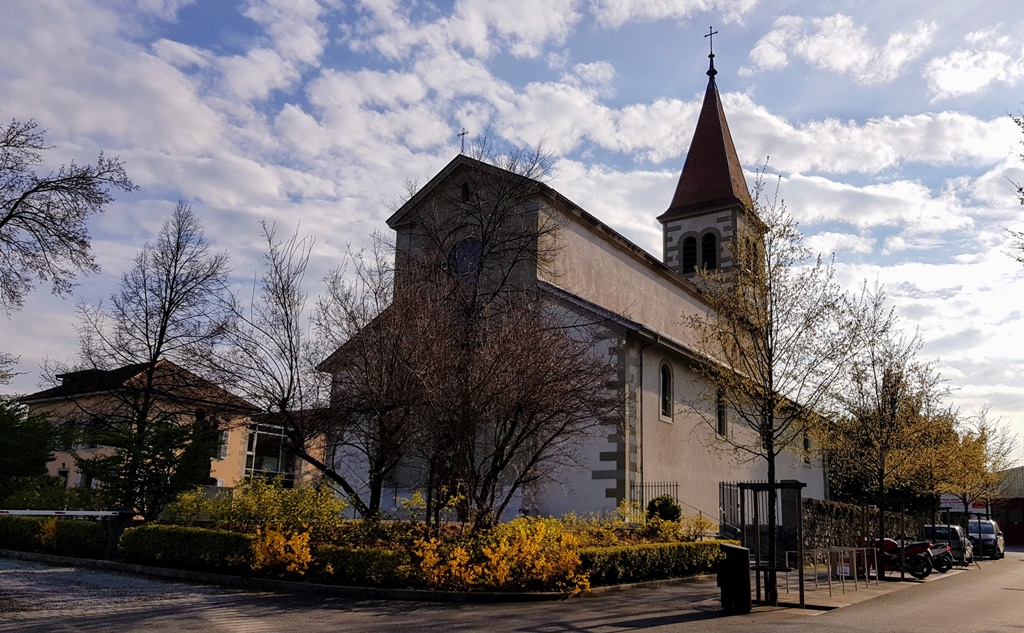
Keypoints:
(673, 436)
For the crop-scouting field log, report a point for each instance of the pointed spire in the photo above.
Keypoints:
(711, 175)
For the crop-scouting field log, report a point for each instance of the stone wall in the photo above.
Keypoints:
(832, 524)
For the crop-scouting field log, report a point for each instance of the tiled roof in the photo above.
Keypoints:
(711, 175)
(170, 381)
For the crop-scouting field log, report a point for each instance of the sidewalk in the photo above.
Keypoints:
(846, 592)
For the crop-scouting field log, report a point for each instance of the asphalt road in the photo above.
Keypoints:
(46, 598)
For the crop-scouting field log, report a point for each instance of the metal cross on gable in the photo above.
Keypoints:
(711, 40)
(462, 137)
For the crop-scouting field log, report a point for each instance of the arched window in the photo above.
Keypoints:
(464, 258)
(666, 391)
(709, 251)
(689, 255)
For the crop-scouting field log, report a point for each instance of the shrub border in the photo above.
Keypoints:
(293, 587)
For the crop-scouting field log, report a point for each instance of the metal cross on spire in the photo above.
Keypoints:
(462, 137)
(711, 40)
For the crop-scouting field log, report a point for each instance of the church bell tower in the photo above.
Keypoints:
(711, 197)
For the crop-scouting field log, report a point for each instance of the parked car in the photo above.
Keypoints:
(953, 535)
(986, 537)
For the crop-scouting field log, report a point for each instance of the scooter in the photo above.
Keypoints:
(942, 558)
(915, 557)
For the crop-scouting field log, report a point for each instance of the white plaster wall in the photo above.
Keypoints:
(575, 490)
(686, 449)
(596, 269)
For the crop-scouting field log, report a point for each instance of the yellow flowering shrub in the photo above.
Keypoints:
(524, 554)
(48, 534)
(257, 502)
(276, 550)
(443, 567)
(696, 528)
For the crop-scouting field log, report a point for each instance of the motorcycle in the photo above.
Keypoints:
(942, 558)
(913, 557)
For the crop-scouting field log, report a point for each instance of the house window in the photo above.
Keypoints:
(709, 251)
(721, 418)
(666, 391)
(268, 456)
(67, 436)
(222, 444)
(689, 254)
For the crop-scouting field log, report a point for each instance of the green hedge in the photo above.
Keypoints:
(649, 561)
(74, 537)
(20, 533)
(364, 567)
(186, 547)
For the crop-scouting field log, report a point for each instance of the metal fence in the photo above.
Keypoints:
(743, 514)
(642, 493)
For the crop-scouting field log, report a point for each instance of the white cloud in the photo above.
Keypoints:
(627, 201)
(839, 44)
(524, 26)
(368, 109)
(293, 25)
(481, 27)
(990, 58)
(911, 205)
(595, 73)
(75, 73)
(994, 189)
(770, 51)
(615, 13)
(181, 55)
(297, 39)
(829, 242)
(164, 9)
(257, 73)
(870, 147)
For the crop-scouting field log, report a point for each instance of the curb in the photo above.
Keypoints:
(368, 593)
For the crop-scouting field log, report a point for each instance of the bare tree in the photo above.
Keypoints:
(1018, 236)
(493, 427)
(277, 349)
(776, 334)
(7, 364)
(272, 356)
(459, 354)
(382, 345)
(169, 312)
(1019, 120)
(43, 232)
(511, 408)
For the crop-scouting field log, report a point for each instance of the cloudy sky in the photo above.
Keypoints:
(887, 122)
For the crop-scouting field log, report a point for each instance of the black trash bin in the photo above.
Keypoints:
(734, 578)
